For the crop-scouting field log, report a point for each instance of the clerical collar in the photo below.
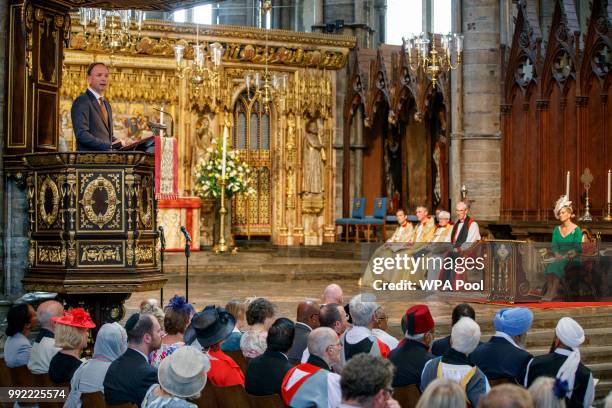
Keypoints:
(319, 362)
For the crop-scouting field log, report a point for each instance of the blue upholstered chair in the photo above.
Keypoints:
(356, 215)
(377, 219)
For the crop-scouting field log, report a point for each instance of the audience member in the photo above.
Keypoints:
(506, 396)
(181, 375)
(150, 306)
(260, 315)
(547, 393)
(359, 338)
(111, 342)
(442, 393)
(380, 327)
(71, 335)
(177, 316)
(456, 364)
(236, 308)
(307, 320)
(442, 345)
(332, 294)
(20, 320)
(366, 382)
(312, 384)
(211, 327)
(264, 374)
(504, 356)
(331, 315)
(564, 364)
(129, 377)
(412, 353)
(44, 348)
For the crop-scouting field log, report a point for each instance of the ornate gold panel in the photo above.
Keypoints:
(145, 253)
(106, 254)
(50, 254)
(48, 202)
(101, 195)
(145, 203)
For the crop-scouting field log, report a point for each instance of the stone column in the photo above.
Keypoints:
(3, 64)
(480, 156)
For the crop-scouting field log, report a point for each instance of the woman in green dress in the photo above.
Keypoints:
(566, 247)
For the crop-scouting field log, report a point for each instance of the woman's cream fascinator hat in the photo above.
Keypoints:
(562, 202)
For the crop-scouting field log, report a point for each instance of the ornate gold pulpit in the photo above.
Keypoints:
(92, 228)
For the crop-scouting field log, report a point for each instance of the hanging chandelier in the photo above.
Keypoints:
(423, 54)
(267, 87)
(204, 71)
(112, 30)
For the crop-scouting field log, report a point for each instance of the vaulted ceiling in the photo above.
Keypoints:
(162, 5)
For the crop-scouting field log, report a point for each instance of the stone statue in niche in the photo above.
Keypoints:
(393, 168)
(203, 139)
(290, 163)
(439, 159)
(314, 159)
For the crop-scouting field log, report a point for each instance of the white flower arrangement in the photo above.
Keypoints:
(208, 174)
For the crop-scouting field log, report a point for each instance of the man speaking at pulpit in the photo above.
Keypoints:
(92, 115)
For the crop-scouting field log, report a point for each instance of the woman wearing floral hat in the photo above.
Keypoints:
(177, 316)
(71, 334)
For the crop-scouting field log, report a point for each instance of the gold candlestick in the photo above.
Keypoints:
(608, 216)
(221, 247)
(587, 179)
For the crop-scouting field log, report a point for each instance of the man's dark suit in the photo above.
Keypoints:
(92, 133)
(409, 358)
(265, 373)
(498, 358)
(300, 341)
(128, 378)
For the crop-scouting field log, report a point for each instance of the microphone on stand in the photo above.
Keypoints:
(162, 241)
(186, 234)
(187, 254)
(160, 126)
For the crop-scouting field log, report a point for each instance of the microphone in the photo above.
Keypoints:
(159, 109)
(162, 238)
(186, 234)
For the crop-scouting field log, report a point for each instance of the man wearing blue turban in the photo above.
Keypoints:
(504, 356)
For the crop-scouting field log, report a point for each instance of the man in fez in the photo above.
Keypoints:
(92, 116)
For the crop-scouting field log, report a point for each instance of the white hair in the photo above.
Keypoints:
(465, 335)
(444, 215)
(320, 339)
(542, 393)
(461, 205)
(362, 308)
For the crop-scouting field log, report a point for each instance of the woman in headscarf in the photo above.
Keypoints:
(111, 343)
(566, 246)
(177, 316)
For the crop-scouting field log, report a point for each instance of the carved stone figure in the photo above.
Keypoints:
(203, 139)
(314, 159)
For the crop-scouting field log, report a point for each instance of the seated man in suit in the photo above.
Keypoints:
(412, 353)
(92, 116)
(504, 356)
(129, 377)
(265, 373)
(307, 321)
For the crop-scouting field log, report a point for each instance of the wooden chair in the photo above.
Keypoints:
(231, 397)
(22, 377)
(5, 380)
(239, 358)
(93, 400)
(499, 381)
(266, 401)
(408, 395)
(207, 397)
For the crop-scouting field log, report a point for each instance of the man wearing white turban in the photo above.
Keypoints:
(504, 356)
(564, 364)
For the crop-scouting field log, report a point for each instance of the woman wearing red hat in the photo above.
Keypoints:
(71, 334)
